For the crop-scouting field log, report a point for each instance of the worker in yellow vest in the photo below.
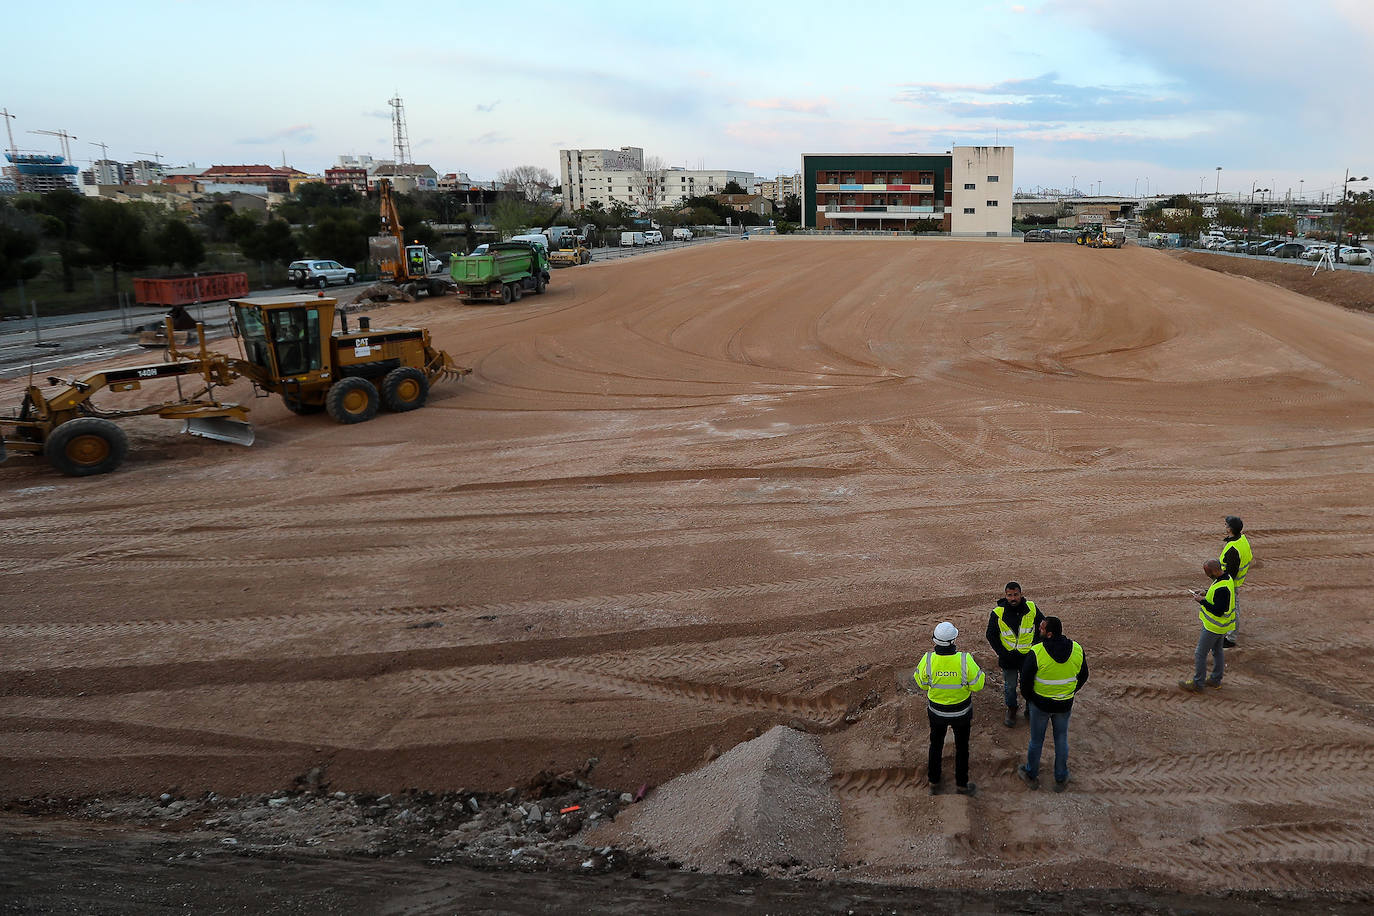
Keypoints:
(1235, 559)
(949, 678)
(1013, 627)
(1054, 671)
(1217, 611)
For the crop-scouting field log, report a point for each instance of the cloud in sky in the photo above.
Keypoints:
(818, 106)
(1261, 87)
(300, 133)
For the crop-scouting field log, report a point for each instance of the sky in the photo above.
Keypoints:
(1127, 98)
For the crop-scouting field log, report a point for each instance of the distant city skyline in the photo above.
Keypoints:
(1131, 96)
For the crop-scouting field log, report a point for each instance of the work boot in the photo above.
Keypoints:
(1189, 685)
(1010, 720)
(1061, 784)
(936, 788)
(1215, 685)
(1031, 782)
(969, 789)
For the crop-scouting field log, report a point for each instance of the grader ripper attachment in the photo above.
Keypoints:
(289, 348)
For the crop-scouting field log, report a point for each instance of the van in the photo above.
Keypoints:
(631, 239)
(534, 238)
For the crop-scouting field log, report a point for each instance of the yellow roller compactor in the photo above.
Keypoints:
(289, 348)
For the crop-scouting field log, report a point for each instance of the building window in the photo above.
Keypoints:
(992, 203)
(968, 209)
(992, 178)
(970, 187)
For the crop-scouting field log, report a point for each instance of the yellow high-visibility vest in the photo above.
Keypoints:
(1057, 680)
(1226, 621)
(948, 680)
(1242, 546)
(1020, 639)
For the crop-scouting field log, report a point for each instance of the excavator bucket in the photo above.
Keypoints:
(221, 428)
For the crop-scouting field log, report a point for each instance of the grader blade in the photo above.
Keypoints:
(220, 428)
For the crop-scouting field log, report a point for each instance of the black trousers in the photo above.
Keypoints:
(961, 727)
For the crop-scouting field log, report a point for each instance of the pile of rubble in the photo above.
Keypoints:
(762, 806)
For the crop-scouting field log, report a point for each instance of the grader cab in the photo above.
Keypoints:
(290, 348)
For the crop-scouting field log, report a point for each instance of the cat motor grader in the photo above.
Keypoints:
(289, 348)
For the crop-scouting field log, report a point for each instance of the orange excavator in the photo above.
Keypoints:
(411, 268)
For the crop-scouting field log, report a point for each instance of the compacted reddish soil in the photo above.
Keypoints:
(691, 495)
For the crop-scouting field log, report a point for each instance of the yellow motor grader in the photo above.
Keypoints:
(289, 348)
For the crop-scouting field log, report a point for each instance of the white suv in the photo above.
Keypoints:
(653, 237)
(319, 273)
(682, 235)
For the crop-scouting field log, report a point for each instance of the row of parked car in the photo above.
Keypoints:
(1283, 248)
(1049, 235)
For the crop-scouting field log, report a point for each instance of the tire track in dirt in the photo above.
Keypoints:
(825, 712)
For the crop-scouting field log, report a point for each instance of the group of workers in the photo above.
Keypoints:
(1049, 669)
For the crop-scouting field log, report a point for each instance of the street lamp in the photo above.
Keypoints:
(1252, 202)
(1216, 196)
(1340, 225)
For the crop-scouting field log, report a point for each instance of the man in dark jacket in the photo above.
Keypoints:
(1235, 559)
(1013, 627)
(1054, 671)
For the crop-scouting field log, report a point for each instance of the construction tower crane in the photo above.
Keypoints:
(66, 146)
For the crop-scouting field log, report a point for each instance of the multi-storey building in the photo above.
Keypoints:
(968, 190)
(612, 177)
(781, 187)
(347, 176)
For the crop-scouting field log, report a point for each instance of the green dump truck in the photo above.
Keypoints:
(503, 273)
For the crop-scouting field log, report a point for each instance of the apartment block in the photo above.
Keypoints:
(967, 190)
(611, 177)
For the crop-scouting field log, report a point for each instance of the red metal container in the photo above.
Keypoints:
(184, 289)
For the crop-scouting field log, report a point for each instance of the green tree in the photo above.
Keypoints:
(215, 221)
(732, 187)
(510, 215)
(19, 241)
(178, 243)
(340, 236)
(1278, 224)
(62, 215)
(113, 234)
(1230, 217)
(316, 195)
(791, 208)
(272, 241)
(1358, 214)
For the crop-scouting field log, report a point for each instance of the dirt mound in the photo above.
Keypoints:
(764, 803)
(1346, 288)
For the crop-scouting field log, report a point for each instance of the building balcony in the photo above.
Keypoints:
(878, 211)
(876, 188)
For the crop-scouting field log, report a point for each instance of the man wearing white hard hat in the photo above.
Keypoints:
(949, 678)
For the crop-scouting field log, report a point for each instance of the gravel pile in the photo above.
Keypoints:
(764, 804)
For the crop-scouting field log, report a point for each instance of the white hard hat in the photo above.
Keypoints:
(946, 633)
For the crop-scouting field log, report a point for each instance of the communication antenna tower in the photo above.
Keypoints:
(400, 139)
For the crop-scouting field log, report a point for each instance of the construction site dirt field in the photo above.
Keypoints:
(691, 495)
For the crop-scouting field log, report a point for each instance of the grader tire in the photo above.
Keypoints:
(352, 400)
(404, 389)
(86, 446)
